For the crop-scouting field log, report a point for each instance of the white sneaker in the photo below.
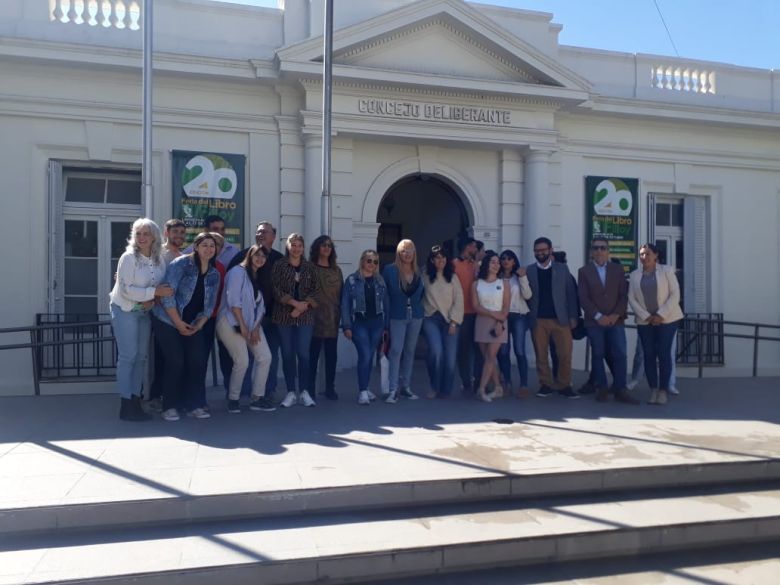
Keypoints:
(407, 393)
(199, 413)
(632, 384)
(306, 399)
(363, 397)
(371, 395)
(290, 400)
(170, 415)
(673, 390)
(392, 397)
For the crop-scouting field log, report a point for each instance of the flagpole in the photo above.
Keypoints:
(146, 169)
(327, 100)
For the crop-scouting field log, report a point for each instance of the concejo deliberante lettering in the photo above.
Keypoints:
(430, 111)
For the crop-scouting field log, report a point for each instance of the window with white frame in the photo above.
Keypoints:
(92, 210)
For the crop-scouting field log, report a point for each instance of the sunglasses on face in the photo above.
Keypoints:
(371, 261)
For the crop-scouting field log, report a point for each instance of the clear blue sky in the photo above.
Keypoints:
(741, 32)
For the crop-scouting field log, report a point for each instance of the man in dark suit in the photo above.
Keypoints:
(553, 314)
(603, 293)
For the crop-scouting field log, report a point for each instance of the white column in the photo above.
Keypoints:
(536, 203)
(313, 187)
(511, 192)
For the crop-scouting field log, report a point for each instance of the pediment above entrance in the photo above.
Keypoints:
(445, 44)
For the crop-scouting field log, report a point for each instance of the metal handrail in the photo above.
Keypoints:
(35, 345)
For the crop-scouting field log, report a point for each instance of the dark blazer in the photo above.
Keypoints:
(564, 292)
(606, 299)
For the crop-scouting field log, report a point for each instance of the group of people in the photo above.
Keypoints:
(473, 310)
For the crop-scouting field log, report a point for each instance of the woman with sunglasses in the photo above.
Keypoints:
(654, 296)
(443, 305)
(405, 291)
(327, 316)
(364, 316)
(517, 321)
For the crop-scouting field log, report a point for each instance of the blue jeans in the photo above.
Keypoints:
(403, 342)
(657, 347)
(518, 326)
(296, 341)
(639, 358)
(271, 331)
(610, 341)
(132, 331)
(442, 354)
(366, 334)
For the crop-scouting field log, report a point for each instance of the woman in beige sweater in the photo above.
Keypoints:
(443, 306)
(654, 296)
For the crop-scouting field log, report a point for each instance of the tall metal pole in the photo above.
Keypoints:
(327, 100)
(146, 171)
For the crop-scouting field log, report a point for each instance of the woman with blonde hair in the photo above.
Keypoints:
(139, 277)
(364, 316)
(405, 290)
(296, 289)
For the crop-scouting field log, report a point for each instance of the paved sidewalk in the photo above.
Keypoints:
(73, 449)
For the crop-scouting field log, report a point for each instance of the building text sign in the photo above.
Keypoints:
(611, 212)
(434, 111)
(206, 184)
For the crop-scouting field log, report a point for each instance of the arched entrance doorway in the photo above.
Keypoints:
(424, 208)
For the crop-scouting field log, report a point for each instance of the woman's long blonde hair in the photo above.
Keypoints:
(401, 245)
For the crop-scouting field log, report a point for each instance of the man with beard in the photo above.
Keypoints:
(553, 314)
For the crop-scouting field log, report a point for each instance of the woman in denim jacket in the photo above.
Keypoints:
(405, 292)
(364, 316)
(178, 325)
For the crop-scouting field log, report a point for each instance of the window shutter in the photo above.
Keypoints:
(696, 250)
(55, 234)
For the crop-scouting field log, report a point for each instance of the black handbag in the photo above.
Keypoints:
(578, 331)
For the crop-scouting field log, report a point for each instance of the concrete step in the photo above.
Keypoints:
(736, 564)
(397, 543)
(366, 496)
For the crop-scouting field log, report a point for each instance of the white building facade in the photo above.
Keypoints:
(448, 118)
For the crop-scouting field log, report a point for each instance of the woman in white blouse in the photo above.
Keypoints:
(654, 296)
(138, 276)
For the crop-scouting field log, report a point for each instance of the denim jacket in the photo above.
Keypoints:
(398, 299)
(182, 275)
(353, 298)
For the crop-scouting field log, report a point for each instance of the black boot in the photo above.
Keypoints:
(138, 409)
(131, 410)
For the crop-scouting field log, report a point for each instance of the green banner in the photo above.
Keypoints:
(611, 206)
(209, 184)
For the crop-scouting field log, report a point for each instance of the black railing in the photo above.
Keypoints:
(700, 339)
(83, 347)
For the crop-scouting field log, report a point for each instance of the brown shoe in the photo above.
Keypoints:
(602, 395)
(624, 397)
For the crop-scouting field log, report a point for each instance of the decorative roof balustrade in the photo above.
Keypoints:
(119, 14)
(680, 78)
